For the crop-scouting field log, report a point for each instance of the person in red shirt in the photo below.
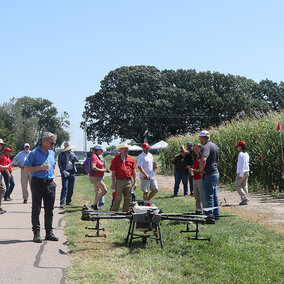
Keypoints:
(97, 177)
(2, 185)
(123, 171)
(197, 180)
(7, 174)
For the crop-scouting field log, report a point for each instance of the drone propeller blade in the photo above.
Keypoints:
(209, 208)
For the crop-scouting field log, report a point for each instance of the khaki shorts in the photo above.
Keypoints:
(147, 185)
(95, 179)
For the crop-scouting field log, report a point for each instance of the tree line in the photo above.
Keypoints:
(23, 120)
(142, 103)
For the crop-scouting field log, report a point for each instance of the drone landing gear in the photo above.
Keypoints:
(98, 229)
(196, 231)
(132, 236)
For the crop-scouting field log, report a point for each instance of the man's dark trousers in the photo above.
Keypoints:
(42, 190)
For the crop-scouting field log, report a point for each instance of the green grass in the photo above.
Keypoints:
(239, 251)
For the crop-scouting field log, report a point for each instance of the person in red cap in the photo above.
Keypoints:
(7, 174)
(147, 166)
(242, 172)
(2, 185)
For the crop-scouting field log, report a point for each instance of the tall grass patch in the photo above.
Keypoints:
(262, 140)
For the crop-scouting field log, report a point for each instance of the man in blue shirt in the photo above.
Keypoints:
(19, 160)
(41, 164)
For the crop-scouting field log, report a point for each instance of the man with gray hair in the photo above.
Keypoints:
(41, 164)
(208, 168)
(19, 160)
(2, 185)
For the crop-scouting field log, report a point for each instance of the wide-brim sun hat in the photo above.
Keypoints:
(240, 143)
(122, 145)
(204, 133)
(68, 146)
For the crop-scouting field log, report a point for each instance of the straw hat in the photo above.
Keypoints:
(122, 145)
(68, 146)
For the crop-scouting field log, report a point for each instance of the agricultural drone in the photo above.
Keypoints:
(146, 218)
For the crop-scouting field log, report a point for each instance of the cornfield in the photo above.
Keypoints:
(264, 149)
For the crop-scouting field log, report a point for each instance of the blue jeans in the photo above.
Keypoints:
(67, 187)
(181, 177)
(209, 189)
(10, 184)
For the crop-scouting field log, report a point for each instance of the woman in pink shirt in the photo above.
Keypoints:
(97, 177)
(197, 180)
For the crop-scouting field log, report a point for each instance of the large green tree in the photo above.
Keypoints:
(25, 119)
(142, 103)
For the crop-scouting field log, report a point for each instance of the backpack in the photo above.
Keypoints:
(88, 166)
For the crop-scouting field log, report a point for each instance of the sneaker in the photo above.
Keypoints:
(25, 201)
(94, 207)
(51, 237)
(69, 204)
(2, 211)
(210, 220)
(244, 202)
(61, 206)
(9, 199)
(37, 238)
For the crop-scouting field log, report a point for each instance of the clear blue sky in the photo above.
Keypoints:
(61, 50)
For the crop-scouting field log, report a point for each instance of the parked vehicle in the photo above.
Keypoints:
(82, 156)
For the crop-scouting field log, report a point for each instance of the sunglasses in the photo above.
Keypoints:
(2, 144)
(52, 143)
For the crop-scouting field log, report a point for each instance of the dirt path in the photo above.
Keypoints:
(262, 208)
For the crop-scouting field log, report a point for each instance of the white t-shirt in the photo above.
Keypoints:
(145, 161)
(243, 163)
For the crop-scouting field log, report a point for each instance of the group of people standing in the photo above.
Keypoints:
(123, 175)
(6, 175)
(38, 169)
(201, 163)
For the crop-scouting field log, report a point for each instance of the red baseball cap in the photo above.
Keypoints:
(145, 145)
(241, 143)
(8, 150)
